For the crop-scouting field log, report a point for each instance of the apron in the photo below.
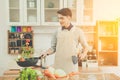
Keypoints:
(65, 49)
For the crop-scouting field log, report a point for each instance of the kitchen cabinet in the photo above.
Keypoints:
(44, 12)
(24, 12)
(74, 6)
(107, 42)
(80, 9)
(17, 37)
(87, 12)
(49, 10)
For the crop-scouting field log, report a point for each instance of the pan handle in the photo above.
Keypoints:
(42, 56)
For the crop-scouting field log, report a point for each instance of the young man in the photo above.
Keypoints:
(65, 43)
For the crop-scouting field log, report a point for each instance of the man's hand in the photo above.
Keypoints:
(45, 53)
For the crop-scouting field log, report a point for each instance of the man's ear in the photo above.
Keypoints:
(69, 17)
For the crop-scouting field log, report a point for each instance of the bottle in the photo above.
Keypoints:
(89, 55)
(43, 62)
(93, 57)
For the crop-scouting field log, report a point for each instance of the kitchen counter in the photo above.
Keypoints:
(85, 74)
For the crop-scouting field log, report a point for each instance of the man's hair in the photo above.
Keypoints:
(65, 12)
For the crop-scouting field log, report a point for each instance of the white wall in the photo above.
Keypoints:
(42, 39)
(3, 37)
(103, 10)
(106, 9)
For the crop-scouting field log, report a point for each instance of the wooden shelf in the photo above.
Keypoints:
(17, 40)
(108, 51)
(108, 36)
(107, 42)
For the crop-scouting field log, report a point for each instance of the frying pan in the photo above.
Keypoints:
(29, 62)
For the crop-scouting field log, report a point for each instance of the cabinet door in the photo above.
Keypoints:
(86, 12)
(72, 4)
(15, 12)
(49, 10)
(82, 11)
(24, 12)
(31, 12)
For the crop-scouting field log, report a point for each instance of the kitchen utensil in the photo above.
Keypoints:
(74, 59)
(43, 62)
(28, 62)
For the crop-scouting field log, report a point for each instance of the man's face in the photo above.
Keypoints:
(64, 20)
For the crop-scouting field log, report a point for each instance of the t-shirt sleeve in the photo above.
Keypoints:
(82, 39)
(54, 41)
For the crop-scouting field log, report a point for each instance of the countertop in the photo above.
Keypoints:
(85, 74)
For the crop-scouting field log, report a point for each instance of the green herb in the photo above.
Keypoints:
(27, 51)
(27, 74)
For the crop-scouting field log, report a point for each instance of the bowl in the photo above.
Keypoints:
(28, 62)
